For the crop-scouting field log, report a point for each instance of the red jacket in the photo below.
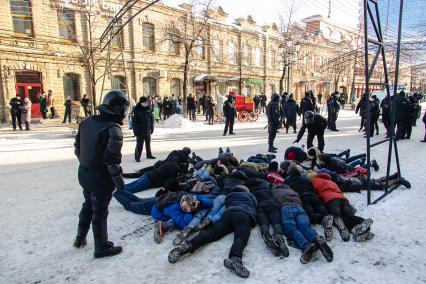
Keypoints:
(326, 189)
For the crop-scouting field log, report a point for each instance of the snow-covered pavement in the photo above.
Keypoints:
(41, 198)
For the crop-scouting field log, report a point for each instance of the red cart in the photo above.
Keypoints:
(245, 108)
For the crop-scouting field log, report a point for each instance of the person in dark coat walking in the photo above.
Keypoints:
(316, 125)
(256, 100)
(240, 218)
(273, 114)
(361, 108)
(230, 112)
(190, 104)
(15, 111)
(291, 111)
(306, 104)
(167, 108)
(333, 107)
(401, 115)
(143, 127)
(98, 149)
(67, 113)
(374, 116)
(85, 104)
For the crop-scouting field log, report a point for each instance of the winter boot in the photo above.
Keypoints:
(159, 231)
(343, 231)
(80, 240)
(405, 182)
(107, 249)
(324, 248)
(182, 235)
(308, 252)
(176, 253)
(327, 224)
(361, 228)
(151, 157)
(270, 244)
(272, 149)
(236, 264)
(279, 241)
(220, 150)
(375, 165)
(348, 153)
(364, 237)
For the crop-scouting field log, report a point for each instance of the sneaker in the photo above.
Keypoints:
(324, 248)
(280, 242)
(361, 228)
(182, 235)
(405, 182)
(308, 252)
(236, 264)
(176, 253)
(364, 237)
(108, 250)
(375, 165)
(159, 231)
(343, 231)
(327, 223)
(79, 242)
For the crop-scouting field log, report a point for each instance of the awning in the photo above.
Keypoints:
(204, 77)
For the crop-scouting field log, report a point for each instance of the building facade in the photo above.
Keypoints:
(54, 45)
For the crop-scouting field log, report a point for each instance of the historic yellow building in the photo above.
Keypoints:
(54, 45)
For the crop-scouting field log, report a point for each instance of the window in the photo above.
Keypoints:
(149, 87)
(72, 86)
(199, 48)
(66, 24)
(117, 40)
(259, 57)
(247, 55)
(22, 17)
(148, 32)
(173, 48)
(118, 83)
(175, 87)
(232, 54)
(217, 50)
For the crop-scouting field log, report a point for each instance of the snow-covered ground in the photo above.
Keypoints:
(41, 198)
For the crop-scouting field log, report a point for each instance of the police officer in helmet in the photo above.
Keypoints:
(98, 149)
(316, 125)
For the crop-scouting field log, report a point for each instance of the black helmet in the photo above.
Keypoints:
(309, 117)
(115, 103)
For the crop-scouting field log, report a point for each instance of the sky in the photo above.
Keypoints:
(344, 12)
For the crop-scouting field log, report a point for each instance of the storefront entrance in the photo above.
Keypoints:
(29, 84)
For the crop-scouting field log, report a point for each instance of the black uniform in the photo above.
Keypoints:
(374, 116)
(15, 111)
(333, 107)
(273, 113)
(143, 127)
(85, 104)
(316, 129)
(67, 113)
(291, 111)
(306, 104)
(263, 100)
(401, 115)
(385, 105)
(361, 108)
(413, 109)
(229, 111)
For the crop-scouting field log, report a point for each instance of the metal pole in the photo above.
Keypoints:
(367, 98)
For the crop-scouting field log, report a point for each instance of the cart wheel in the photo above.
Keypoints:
(243, 116)
(253, 116)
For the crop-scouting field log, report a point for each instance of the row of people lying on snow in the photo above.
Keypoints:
(220, 196)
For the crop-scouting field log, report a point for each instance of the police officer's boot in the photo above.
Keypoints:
(80, 240)
(103, 247)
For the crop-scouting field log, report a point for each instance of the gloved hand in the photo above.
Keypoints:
(115, 172)
(295, 141)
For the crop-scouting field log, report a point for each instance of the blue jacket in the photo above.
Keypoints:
(174, 212)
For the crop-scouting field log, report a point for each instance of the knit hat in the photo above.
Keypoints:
(312, 153)
(284, 165)
(238, 175)
(293, 170)
(273, 167)
(291, 156)
(189, 200)
(186, 150)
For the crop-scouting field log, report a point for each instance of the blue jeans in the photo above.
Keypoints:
(354, 158)
(217, 209)
(296, 225)
(141, 184)
(198, 216)
(135, 204)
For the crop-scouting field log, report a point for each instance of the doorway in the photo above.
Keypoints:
(29, 84)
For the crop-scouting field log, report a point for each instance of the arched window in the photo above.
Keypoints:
(217, 50)
(246, 55)
(175, 87)
(149, 86)
(72, 86)
(232, 52)
(148, 34)
(199, 48)
(118, 83)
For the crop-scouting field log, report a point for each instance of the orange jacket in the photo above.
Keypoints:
(326, 189)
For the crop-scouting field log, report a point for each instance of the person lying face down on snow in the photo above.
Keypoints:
(338, 205)
(296, 225)
(180, 157)
(340, 166)
(268, 214)
(239, 217)
(312, 204)
(224, 158)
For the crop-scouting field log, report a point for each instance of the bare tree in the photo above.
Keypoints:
(188, 32)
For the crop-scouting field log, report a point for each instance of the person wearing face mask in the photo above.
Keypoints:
(98, 149)
(143, 127)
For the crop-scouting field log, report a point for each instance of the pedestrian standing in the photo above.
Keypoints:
(98, 149)
(26, 113)
(273, 114)
(157, 112)
(263, 100)
(361, 108)
(143, 127)
(43, 105)
(230, 112)
(291, 111)
(333, 107)
(67, 113)
(51, 104)
(85, 104)
(15, 111)
(402, 115)
(190, 105)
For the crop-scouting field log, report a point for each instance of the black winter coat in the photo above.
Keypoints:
(402, 108)
(14, 105)
(142, 121)
(229, 110)
(302, 186)
(167, 170)
(361, 106)
(234, 179)
(262, 191)
(67, 105)
(243, 201)
(306, 104)
(337, 165)
(333, 105)
(317, 128)
(273, 113)
(190, 103)
(291, 109)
